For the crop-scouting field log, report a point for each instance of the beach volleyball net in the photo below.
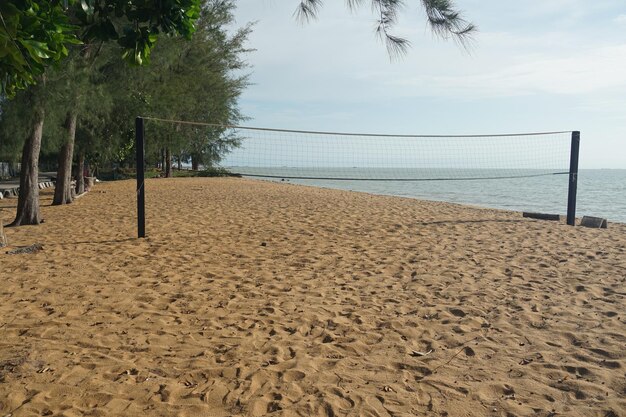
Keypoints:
(327, 158)
(271, 153)
(299, 154)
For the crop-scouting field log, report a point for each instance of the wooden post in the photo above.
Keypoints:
(141, 197)
(573, 179)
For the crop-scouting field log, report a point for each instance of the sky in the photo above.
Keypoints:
(536, 65)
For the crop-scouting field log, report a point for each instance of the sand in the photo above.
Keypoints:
(252, 298)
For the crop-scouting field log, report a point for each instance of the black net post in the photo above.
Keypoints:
(573, 179)
(141, 197)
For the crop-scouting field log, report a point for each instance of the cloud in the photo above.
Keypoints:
(591, 71)
(337, 58)
(535, 65)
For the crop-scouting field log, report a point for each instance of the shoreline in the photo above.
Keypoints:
(249, 298)
(427, 200)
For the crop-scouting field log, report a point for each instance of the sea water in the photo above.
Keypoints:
(601, 193)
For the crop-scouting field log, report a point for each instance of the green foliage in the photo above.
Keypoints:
(76, 86)
(131, 173)
(16, 118)
(35, 34)
(216, 172)
(198, 79)
(444, 20)
(135, 24)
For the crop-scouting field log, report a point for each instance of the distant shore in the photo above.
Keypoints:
(252, 297)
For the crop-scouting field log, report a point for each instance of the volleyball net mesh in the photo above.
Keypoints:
(336, 156)
(296, 154)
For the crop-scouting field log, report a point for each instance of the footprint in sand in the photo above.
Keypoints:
(458, 312)
(294, 375)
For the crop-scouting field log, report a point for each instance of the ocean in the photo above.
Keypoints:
(601, 192)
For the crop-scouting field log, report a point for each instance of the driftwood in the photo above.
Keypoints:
(595, 222)
(27, 249)
(542, 216)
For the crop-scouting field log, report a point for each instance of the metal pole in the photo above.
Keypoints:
(573, 179)
(141, 196)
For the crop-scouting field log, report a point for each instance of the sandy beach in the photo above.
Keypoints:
(251, 298)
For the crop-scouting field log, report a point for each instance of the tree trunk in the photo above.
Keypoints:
(168, 163)
(180, 162)
(80, 176)
(28, 200)
(194, 163)
(63, 189)
(3, 238)
(162, 160)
